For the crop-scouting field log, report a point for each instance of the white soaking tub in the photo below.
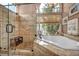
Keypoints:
(62, 42)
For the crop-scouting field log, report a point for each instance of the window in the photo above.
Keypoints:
(49, 28)
(50, 7)
(74, 9)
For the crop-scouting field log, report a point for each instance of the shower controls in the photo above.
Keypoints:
(16, 41)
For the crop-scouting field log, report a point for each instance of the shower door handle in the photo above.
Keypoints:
(9, 28)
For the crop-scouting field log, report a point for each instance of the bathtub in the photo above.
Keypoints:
(62, 42)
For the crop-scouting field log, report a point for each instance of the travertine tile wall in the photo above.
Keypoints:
(3, 27)
(66, 10)
(28, 21)
(54, 18)
(27, 31)
(0, 22)
(21, 28)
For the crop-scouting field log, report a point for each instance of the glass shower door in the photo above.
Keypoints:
(7, 21)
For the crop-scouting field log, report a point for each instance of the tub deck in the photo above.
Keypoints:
(60, 45)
